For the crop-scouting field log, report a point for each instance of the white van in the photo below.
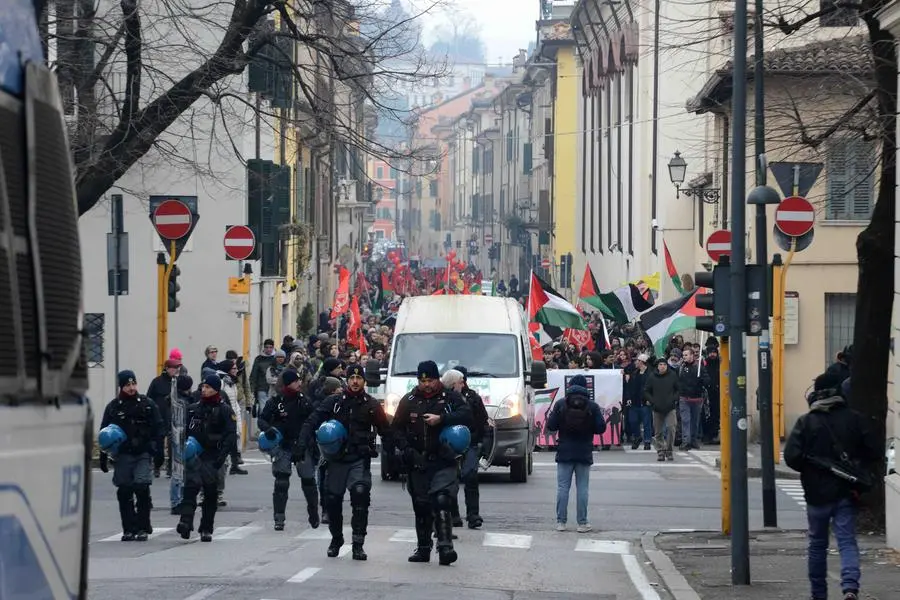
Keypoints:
(487, 335)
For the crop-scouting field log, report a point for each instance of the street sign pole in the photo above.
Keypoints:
(118, 227)
(737, 384)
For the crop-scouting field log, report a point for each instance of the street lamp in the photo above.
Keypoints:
(677, 173)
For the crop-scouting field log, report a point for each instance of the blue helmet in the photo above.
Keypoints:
(331, 435)
(457, 437)
(192, 449)
(267, 444)
(111, 437)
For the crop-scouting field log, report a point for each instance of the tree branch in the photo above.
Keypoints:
(787, 28)
(131, 23)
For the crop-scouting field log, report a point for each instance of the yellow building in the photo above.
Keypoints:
(559, 44)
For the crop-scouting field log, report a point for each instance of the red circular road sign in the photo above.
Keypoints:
(172, 220)
(239, 242)
(795, 216)
(545, 263)
(718, 244)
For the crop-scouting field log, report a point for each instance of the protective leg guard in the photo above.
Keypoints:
(311, 493)
(443, 515)
(424, 524)
(125, 496)
(280, 498)
(208, 516)
(360, 498)
(144, 504)
(334, 506)
(472, 501)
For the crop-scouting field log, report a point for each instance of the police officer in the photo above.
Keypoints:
(360, 414)
(213, 424)
(140, 419)
(478, 427)
(432, 470)
(286, 413)
(330, 386)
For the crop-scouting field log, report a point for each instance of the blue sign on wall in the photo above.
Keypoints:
(20, 42)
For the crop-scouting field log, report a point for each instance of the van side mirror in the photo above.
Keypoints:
(538, 375)
(373, 373)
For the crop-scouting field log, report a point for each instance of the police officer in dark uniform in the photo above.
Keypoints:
(469, 472)
(286, 413)
(140, 419)
(213, 424)
(432, 470)
(361, 415)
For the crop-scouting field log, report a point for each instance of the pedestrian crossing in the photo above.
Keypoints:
(792, 488)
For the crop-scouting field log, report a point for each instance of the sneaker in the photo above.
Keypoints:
(851, 595)
(584, 527)
(646, 446)
(561, 527)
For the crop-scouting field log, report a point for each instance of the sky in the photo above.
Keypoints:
(506, 25)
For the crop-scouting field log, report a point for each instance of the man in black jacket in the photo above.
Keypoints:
(479, 427)
(829, 440)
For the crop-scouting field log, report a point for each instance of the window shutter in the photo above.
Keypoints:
(837, 175)
(862, 193)
(526, 160)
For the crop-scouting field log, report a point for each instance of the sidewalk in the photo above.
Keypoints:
(697, 566)
(711, 456)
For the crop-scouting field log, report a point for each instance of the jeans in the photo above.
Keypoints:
(664, 426)
(641, 415)
(841, 518)
(690, 421)
(564, 472)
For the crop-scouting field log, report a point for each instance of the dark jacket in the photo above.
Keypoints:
(812, 439)
(214, 425)
(139, 418)
(258, 372)
(575, 448)
(634, 387)
(360, 414)
(160, 391)
(691, 383)
(409, 429)
(286, 414)
(479, 414)
(661, 391)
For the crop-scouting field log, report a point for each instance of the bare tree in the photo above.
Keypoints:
(131, 70)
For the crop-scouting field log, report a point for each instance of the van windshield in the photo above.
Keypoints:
(484, 354)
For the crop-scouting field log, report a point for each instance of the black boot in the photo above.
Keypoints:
(422, 554)
(279, 501)
(358, 552)
(311, 494)
(359, 523)
(472, 505)
(446, 553)
(334, 547)
(185, 526)
(125, 496)
(336, 527)
(142, 516)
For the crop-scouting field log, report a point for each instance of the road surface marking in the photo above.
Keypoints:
(638, 579)
(794, 489)
(315, 534)
(204, 593)
(240, 533)
(344, 551)
(405, 536)
(158, 531)
(507, 540)
(304, 575)
(603, 546)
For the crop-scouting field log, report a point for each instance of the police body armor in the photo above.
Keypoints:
(207, 423)
(355, 413)
(289, 417)
(422, 438)
(135, 417)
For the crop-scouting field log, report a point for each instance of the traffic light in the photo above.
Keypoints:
(174, 288)
(718, 300)
(565, 270)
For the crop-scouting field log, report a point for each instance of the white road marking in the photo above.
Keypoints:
(204, 593)
(344, 551)
(314, 534)
(240, 533)
(602, 546)
(405, 536)
(507, 540)
(638, 578)
(628, 465)
(304, 575)
(158, 531)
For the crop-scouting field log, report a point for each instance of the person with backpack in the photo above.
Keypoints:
(832, 449)
(578, 419)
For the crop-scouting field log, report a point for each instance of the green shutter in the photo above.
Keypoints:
(837, 176)
(526, 160)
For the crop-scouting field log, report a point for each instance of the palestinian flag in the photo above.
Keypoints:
(665, 320)
(671, 270)
(547, 306)
(622, 305)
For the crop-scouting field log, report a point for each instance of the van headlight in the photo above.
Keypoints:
(509, 407)
(391, 401)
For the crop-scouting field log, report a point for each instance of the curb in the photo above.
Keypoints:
(756, 472)
(674, 580)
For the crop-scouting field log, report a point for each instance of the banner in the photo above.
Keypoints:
(605, 386)
(176, 445)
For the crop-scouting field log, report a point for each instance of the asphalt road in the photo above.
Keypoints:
(516, 555)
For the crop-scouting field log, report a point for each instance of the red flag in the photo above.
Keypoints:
(342, 295)
(386, 286)
(354, 329)
(537, 353)
(579, 338)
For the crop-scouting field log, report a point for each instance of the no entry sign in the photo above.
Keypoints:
(172, 220)
(239, 242)
(718, 244)
(795, 216)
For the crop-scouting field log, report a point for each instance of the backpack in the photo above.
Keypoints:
(577, 417)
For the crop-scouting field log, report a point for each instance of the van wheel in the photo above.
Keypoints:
(518, 470)
(530, 462)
